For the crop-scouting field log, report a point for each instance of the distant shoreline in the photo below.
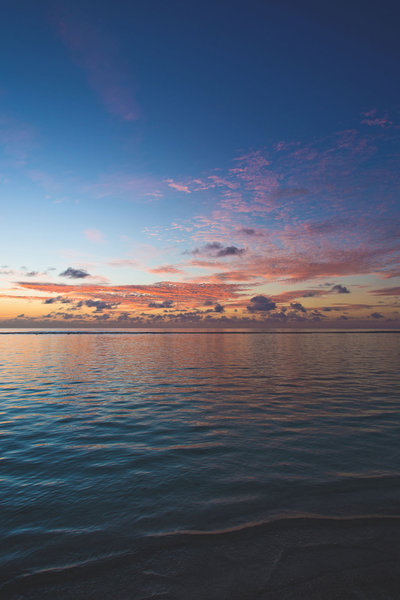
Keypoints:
(189, 332)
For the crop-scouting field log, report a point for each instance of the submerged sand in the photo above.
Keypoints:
(313, 558)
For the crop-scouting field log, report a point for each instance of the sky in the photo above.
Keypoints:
(200, 164)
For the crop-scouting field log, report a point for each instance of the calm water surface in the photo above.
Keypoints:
(176, 461)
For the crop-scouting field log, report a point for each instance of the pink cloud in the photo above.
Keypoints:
(374, 121)
(392, 291)
(242, 276)
(166, 269)
(180, 187)
(93, 235)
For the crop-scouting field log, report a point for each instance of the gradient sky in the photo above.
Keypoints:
(200, 164)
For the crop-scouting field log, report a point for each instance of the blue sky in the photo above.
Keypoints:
(251, 146)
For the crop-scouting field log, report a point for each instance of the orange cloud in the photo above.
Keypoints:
(187, 294)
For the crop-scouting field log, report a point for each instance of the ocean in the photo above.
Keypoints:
(199, 465)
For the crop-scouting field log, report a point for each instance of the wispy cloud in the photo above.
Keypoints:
(94, 235)
(97, 54)
(179, 187)
(125, 186)
(390, 291)
(165, 269)
(17, 139)
(372, 119)
(218, 250)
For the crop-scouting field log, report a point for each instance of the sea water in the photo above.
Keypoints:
(199, 464)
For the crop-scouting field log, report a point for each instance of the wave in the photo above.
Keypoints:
(282, 553)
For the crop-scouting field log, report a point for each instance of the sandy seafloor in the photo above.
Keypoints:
(307, 558)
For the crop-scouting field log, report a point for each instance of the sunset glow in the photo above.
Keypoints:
(148, 180)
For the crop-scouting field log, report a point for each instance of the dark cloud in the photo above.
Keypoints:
(328, 226)
(248, 231)
(125, 316)
(208, 303)
(340, 289)
(51, 300)
(376, 315)
(75, 273)
(289, 192)
(66, 316)
(316, 315)
(32, 273)
(298, 306)
(218, 250)
(218, 308)
(261, 303)
(59, 299)
(207, 248)
(99, 305)
(310, 294)
(187, 317)
(102, 317)
(231, 251)
(165, 304)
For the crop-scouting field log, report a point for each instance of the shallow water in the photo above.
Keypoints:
(174, 460)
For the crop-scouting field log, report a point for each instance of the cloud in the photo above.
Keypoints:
(227, 276)
(340, 289)
(16, 138)
(392, 291)
(230, 251)
(218, 308)
(183, 295)
(50, 300)
(164, 304)
(122, 262)
(93, 235)
(97, 55)
(45, 180)
(166, 269)
(218, 250)
(261, 303)
(250, 231)
(179, 187)
(75, 273)
(99, 305)
(372, 120)
(290, 192)
(128, 186)
(331, 225)
(298, 306)
(56, 299)
(376, 315)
